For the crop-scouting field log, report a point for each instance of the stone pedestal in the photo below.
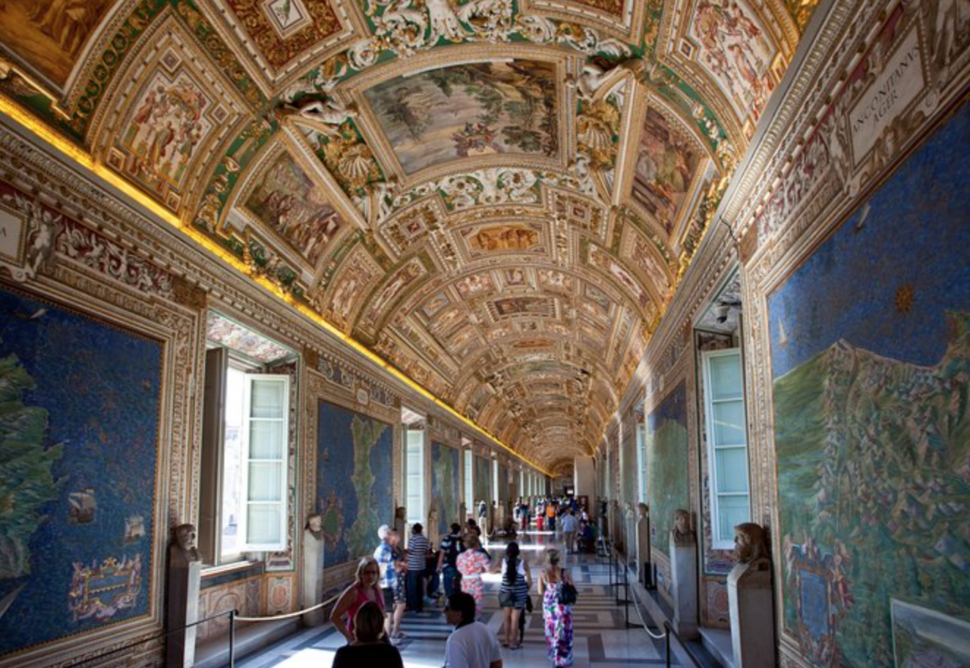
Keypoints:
(644, 565)
(683, 572)
(184, 580)
(630, 539)
(752, 615)
(313, 548)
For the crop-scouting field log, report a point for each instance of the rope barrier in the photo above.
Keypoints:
(288, 615)
(643, 622)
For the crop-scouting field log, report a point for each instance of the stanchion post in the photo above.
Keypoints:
(232, 639)
(667, 642)
(611, 569)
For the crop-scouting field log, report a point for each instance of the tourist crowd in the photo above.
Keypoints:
(398, 578)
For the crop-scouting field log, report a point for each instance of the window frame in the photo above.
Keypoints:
(414, 516)
(245, 435)
(468, 472)
(721, 542)
(642, 461)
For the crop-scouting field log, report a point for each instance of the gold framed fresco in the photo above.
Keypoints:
(174, 112)
(642, 254)
(283, 38)
(515, 111)
(500, 238)
(49, 39)
(623, 19)
(668, 166)
(728, 52)
(356, 275)
(289, 201)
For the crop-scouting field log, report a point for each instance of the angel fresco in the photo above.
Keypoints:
(735, 50)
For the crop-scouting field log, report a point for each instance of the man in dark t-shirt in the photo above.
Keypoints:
(451, 546)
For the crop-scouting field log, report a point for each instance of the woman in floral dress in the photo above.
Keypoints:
(471, 564)
(558, 617)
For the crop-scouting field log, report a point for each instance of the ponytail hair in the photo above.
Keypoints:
(511, 564)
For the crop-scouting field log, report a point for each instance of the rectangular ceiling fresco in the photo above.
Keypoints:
(666, 164)
(492, 107)
(288, 200)
(736, 51)
(49, 36)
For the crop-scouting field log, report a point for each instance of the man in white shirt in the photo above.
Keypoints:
(471, 644)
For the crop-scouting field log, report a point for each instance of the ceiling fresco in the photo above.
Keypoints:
(497, 198)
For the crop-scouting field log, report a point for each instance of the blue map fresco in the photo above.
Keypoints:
(444, 484)
(870, 349)
(667, 464)
(79, 420)
(353, 506)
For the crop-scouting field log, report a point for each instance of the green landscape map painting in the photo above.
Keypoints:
(667, 465)
(871, 365)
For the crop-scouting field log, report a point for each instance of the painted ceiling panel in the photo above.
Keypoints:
(497, 198)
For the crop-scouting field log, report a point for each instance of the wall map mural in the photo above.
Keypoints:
(667, 465)
(483, 480)
(352, 507)
(870, 360)
(444, 484)
(499, 107)
(79, 421)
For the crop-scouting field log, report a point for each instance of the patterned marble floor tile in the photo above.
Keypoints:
(600, 641)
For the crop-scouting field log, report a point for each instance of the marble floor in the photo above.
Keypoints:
(600, 637)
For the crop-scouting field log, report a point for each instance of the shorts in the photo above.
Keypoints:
(514, 597)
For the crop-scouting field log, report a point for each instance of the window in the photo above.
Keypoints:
(642, 460)
(253, 517)
(469, 486)
(414, 462)
(495, 481)
(727, 443)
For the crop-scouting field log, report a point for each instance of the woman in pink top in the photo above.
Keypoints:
(471, 564)
(364, 590)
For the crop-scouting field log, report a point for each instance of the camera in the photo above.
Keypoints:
(721, 312)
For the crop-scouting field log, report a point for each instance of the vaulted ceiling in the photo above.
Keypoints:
(496, 197)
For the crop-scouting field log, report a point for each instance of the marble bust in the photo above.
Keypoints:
(185, 543)
(681, 533)
(643, 511)
(314, 525)
(751, 544)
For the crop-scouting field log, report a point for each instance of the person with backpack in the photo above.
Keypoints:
(451, 546)
(558, 596)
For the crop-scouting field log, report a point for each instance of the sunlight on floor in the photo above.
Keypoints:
(323, 658)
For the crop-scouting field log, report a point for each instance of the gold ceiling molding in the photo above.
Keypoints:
(493, 202)
(86, 162)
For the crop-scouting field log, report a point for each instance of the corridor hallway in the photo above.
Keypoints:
(600, 640)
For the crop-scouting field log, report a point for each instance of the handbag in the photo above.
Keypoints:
(567, 593)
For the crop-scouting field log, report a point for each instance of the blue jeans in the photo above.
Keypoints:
(415, 590)
(449, 578)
